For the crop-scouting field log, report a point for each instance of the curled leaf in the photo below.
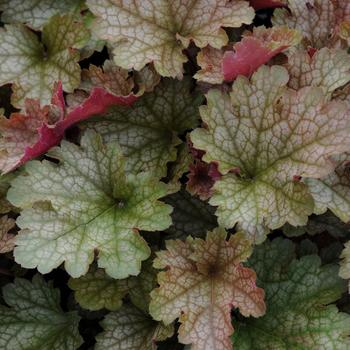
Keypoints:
(246, 56)
(31, 134)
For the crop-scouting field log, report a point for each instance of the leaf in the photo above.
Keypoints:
(35, 13)
(113, 79)
(32, 133)
(34, 318)
(298, 294)
(7, 240)
(191, 216)
(148, 132)
(326, 68)
(333, 191)
(326, 222)
(151, 32)
(245, 56)
(34, 66)
(344, 271)
(131, 329)
(86, 203)
(96, 290)
(203, 280)
(267, 135)
(319, 21)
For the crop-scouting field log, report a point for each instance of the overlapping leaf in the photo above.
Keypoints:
(159, 30)
(25, 136)
(86, 203)
(344, 271)
(326, 68)
(333, 191)
(131, 329)
(191, 216)
(34, 318)
(203, 280)
(270, 135)
(148, 132)
(245, 56)
(33, 66)
(263, 4)
(320, 21)
(298, 294)
(35, 13)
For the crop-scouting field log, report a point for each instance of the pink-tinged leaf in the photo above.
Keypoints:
(203, 280)
(256, 49)
(246, 56)
(29, 135)
(263, 4)
(202, 178)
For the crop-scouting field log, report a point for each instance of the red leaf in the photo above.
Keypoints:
(263, 4)
(29, 135)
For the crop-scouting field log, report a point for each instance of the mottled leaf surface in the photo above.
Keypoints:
(7, 240)
(86, 204)
(298, 292)
(202, 281)
(344, 271)
(34, 318)
(159, 30)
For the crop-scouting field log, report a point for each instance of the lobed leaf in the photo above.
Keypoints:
(144, 32)
(269, 135)
(33, 66)
(84, 204)
(203, 280)
(298, 294)
(34, 318)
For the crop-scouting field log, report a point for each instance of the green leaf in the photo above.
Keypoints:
(333, 191)
(269, 134)
(96, 290)
(298, 294)
(86, 203)
(35, 13)
(344, 271)
(131, 329)
(34, 66)
(148, 132)
(34, 318)
(158, 30)
(202, 281)
(191, 216)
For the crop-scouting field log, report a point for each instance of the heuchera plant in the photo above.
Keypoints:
(175, 174)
